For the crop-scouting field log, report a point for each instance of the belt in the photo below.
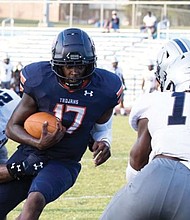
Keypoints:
(169, 157)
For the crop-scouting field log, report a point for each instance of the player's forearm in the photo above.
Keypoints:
(4, 174)
(103, 132)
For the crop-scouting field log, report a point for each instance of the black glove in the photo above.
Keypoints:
(29, 167)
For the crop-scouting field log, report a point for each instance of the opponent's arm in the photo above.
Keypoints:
(101, 134)
(140, 151)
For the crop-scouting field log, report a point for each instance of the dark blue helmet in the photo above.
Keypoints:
(73, 47)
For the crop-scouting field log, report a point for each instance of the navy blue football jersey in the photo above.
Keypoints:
(78, 110)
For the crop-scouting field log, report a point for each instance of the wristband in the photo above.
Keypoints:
(102, 131)
(16, 170)
(130, 173)
(29, 167)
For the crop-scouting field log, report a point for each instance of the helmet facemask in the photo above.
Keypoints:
(74, 82)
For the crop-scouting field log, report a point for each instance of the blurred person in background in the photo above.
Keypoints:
(6, 71)
(149, 82)
(115, 21)
(15, 82)
(119, 72)
(150, 24)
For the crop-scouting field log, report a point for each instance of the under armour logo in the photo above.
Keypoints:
(12, 165)
(18, 168)
(88, 93)
(37, 166)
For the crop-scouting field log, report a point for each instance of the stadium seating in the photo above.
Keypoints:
(131, 47)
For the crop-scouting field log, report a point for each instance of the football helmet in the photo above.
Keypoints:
(178, 74)
(167, 54)
(73, 47)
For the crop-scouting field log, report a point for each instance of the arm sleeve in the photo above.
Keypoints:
(101, 132)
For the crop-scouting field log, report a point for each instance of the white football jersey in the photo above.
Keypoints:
(168, 117)
(8, 101)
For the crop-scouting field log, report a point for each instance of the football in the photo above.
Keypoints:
(33, 124)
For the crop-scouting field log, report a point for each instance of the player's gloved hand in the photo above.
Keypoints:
(29, 167)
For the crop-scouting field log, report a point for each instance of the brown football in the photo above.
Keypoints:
(33, 124)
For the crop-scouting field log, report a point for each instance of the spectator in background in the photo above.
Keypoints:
(113, 23)
(149, 83)
(164, 23)
(150, 25)
(15, 83)
(6, 71)
(118, 71)
(106, 25)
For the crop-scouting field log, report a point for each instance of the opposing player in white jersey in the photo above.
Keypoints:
(8, 101)
(159, 174)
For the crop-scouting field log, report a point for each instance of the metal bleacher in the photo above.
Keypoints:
(132, 49)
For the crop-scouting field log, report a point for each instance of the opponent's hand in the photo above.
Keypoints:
(48, 139)
(29, 167)
(101, 152)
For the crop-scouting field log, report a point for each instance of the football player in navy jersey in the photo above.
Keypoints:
(82, 97)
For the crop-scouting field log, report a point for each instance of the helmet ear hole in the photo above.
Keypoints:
(170, 86)
(178, 73)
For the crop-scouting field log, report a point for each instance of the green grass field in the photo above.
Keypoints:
(95, 185)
